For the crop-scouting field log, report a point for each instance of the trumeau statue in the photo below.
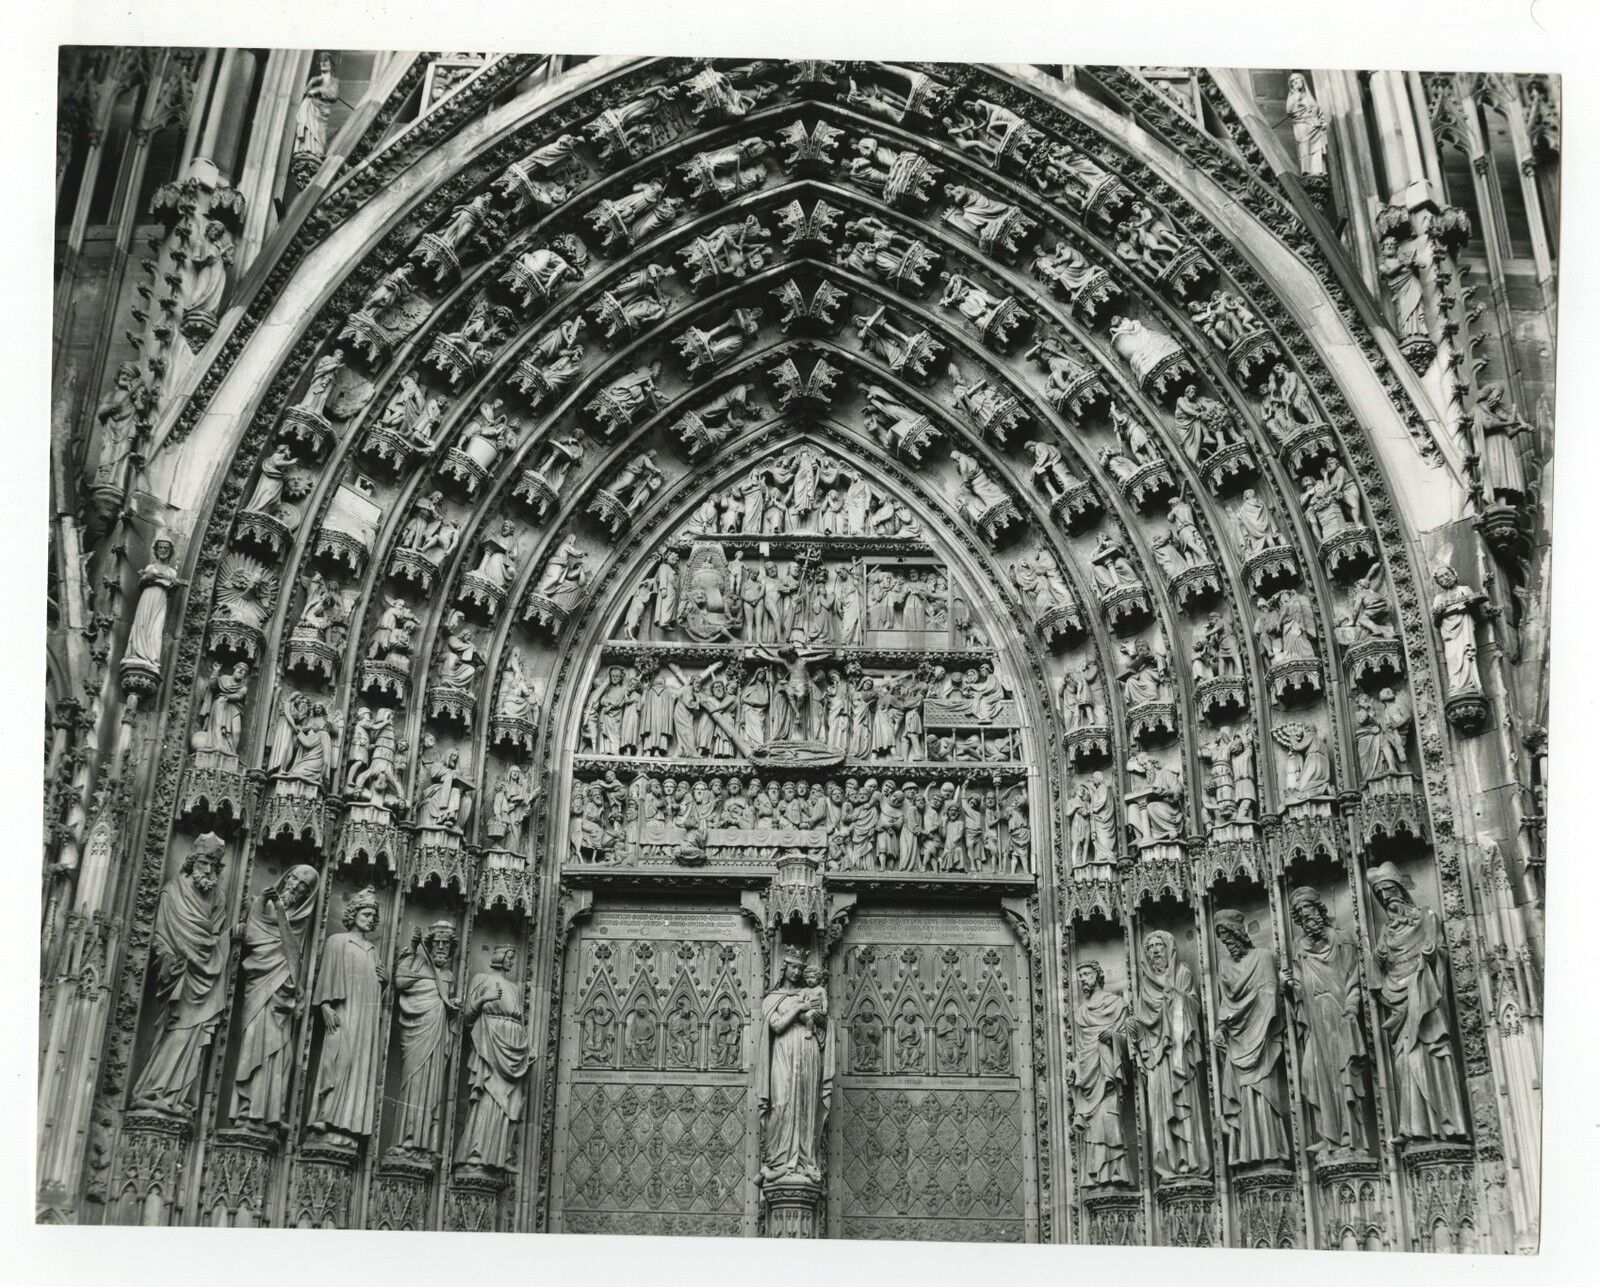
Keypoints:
(1325, 988)
(1098, 1078)
(349, 996)
(276, 976)
(427, 1003)
(189, 951)
(498, 1058)
(1413, 1000)
(1250, 1031)
(794, 1075)
(1169, 1052)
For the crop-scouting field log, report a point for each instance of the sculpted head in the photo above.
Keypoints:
(1444, 577)
(793, 967)
(361, 912)
(1158, 951)
(440, 943)
(204, 862)
(1308, 911)
(503, 959)
(1091, 978)
(297, 885)
(1232, 934)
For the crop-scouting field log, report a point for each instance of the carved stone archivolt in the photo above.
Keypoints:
(708, 518)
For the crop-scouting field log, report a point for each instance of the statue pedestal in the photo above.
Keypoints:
(1113, 1217)
(319, 1192)
(1350, 1213)
(238, 1176)
(1441, 1192)
(472, 1203)
(792, 1206)
(149, 1167)
(400, 1189)
(1267, 1204)
(1188, 1212)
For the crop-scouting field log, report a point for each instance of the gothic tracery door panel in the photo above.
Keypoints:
(931, 1129)
(655, 1129)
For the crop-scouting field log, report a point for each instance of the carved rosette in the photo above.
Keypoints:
(792, 1207)
(370, 836)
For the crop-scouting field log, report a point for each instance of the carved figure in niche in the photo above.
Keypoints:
(727, 1035)
(1067, 268)
(1145, 676)
(1231, 782)
(1412, 956)
(1164, 1030)
(1332, 502)
(910, 1051)
(498, 1059)
(349, 996)
(189, 949)
(1310, 126)
(1204, 425)
(302, 741)
(209, 262)
(1215, 652)
(272, 963)
(316, 101)
(895, 175)
(1286, 405)
(403, 414)
(221, 704)
(564, 570)
(640, 1036)
(884, 252)
(128, 400)
(428, 530)
(393, 288)
(1455, 611)
(634, 393)
(1141, 348)
(276, 470)
(373, 776)
(1254, 525)
(1097, 1076)
(488, 433)
(392, 638)
(1224, 319)
(1081, 702)
(969, 299)
(950, 1040)
(728, 171)
(1287, 627)
(1307, 771)
(425, 994)
(508, 809)
(1066, 374)
(445, 801)
(597, 1033)
(983, 494)
(1042, 583)
(1499, 426)
(1402, 275)
(730, 252)
(1325, 990)
(1383, 730)
(1154, 800)
(1250, 1035)
(561, 454)
(519, 695)
(1367, 615)
(994, 1040)
(1050, 470)
(683, 1035)
(866, 1040)
(794, 1075)
(636, 481)
(459, 659)
(156, 580)
(553, 363)
(1097, 822)
(989, 223)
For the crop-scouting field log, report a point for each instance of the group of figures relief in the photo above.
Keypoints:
(355, 996)
(857, 824)
(1316, 1005)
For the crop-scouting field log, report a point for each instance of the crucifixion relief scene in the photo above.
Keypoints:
(798, 649)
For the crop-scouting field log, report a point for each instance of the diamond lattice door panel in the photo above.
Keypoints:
(931, 1134)
(655, 1129)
